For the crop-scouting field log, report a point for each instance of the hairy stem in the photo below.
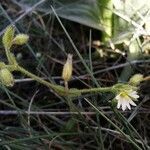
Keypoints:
(60, 89)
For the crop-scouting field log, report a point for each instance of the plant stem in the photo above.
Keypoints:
(106, 8)
(8, 55)
(60, 89)
(38, 79)
(101, 89)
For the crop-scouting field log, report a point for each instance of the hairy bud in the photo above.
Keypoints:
(136, 79)
(8, 37)
(6, 77)
(21, 39)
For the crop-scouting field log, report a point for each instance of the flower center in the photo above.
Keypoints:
(124, 95)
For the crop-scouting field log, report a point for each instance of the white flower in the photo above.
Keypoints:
(126, 98)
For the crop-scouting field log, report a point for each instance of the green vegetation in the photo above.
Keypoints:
(74, 74)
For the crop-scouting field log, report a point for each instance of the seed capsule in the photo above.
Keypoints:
(67, 69)
(6, 77)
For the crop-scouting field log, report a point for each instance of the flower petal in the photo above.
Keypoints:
(119, 104)
(125, 99)
(128, 105)
(124, 104)
(132, 103)
(134, 94)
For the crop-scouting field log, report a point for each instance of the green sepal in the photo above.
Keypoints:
(122, 86)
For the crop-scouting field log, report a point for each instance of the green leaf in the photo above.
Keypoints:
(8, 37)
(85, 12)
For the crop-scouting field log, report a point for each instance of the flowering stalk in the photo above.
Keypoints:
(61, 90)
(125, 93)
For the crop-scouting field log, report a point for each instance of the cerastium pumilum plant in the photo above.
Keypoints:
(126, 94)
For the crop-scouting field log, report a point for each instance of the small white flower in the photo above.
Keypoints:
(126, 98)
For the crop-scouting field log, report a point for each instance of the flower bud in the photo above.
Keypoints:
(8, 37)
(136, 79)
(6, 77)
(67, 69)
(21, 39)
